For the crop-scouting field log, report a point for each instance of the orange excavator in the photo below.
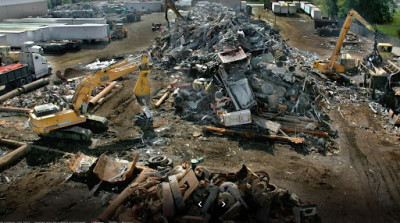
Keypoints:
(74, 122)
(332, 66)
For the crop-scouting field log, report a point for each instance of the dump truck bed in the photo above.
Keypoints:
(12, 72)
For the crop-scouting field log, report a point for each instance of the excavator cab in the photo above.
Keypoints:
(385, 50)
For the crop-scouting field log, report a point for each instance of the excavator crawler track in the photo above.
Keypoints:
(74, 133)
(83, 132)
(96, 123)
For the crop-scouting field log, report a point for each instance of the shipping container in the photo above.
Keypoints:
(308, 8)
(15, 38)
(276, 7)
(303, 4)
(316, 13)
(284, 9)
(80, 32)
(292, 8)
(78, 21)
(297, 3)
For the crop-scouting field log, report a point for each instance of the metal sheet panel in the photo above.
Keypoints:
(232, 54)
(79, 32)
(3, 40)
(15, 38)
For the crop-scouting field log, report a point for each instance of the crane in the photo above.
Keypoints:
(49, 120)
(169, 4)
(332, 66)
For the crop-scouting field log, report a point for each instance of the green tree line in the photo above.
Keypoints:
(374, 11)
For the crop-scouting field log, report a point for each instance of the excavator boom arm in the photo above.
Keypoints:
(169, 4)
(83, 91)
(346, 26)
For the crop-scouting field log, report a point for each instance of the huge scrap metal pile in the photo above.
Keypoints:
(243, 74)
(234, 76)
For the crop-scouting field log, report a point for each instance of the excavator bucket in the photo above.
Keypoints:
(72, 73)
(142, 89)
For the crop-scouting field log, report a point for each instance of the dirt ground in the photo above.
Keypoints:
(360, 183)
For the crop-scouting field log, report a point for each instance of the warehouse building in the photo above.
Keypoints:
(22, 8)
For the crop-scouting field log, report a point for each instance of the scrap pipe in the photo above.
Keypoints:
(103, 93)
(45, 149)
(124, 195)
(163, 98)
(13, 156)
(11, 94)
(35, 85)
(14, 109)
(251, 135)
(311, 132)
(291, 117)
(24, 89)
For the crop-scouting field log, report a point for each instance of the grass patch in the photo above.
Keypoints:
(391, 29)
(388, 29)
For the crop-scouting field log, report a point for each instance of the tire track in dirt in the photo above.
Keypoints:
(375, 172)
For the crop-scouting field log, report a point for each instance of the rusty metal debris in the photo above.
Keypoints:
(238, 69)
(80, 164)
(213, 197)
(113, 171)
(10, 158)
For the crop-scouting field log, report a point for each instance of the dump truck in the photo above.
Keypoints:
(8, 56)
(31, 67)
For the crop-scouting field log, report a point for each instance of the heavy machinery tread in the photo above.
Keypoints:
(96, 123)
(74, 133)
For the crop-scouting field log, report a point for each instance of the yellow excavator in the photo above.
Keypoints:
(7, 56)
(169, 4)
(332, 66)
(74, 122)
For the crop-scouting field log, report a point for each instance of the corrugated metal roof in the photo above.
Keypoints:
(17, 2)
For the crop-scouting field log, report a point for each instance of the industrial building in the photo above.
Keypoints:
(22, 8)
(14, 32)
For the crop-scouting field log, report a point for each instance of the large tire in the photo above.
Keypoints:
(21, 82)
(30, 78)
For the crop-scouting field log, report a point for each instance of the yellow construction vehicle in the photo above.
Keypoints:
(119, 31)
(332, 66)
(49, 120)
(7, 56)
(385, 50)
(169, 4)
